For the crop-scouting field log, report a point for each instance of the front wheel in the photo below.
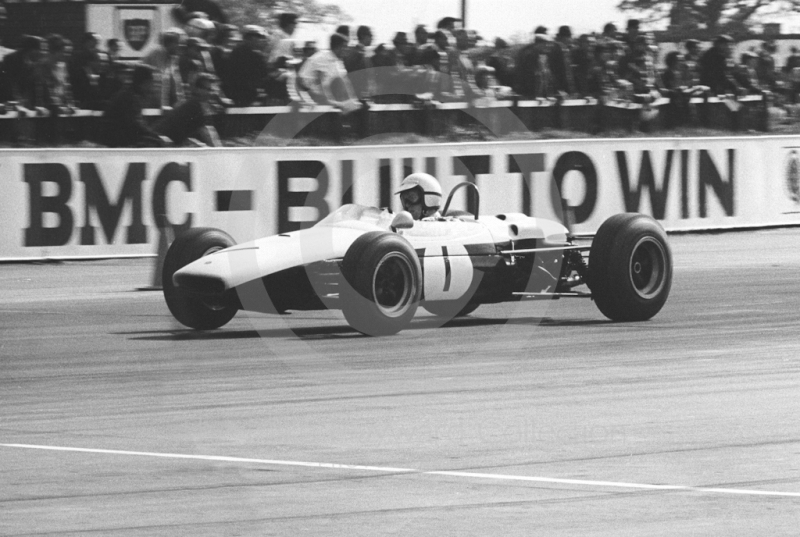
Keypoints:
(630, 267)
(382, 288)
(189, 309)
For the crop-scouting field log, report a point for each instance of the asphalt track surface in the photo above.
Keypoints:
(542, 419)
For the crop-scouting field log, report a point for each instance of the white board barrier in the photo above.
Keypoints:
(62, 203)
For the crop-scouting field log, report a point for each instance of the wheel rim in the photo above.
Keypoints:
(393, 285)
(648, 267)
(210, 302)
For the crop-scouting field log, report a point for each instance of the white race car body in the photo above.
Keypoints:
(452, 252)
(378, 267)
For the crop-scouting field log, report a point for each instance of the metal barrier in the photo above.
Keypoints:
(425, 118)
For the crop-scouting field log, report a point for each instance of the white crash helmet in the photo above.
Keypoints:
(431, 190)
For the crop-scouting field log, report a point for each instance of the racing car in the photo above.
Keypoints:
(379, 267)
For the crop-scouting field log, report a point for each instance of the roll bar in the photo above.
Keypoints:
(461, 185)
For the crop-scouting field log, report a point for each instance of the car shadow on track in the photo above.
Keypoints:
(345, 331)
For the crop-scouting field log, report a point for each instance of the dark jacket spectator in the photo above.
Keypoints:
(716, 70)
(561, 62)
(193, 118)
(247, 68)
(358, 62)
(393, 80)
(124, 124)
(533, 75)
(221, 50)
(21, 72)
(85, 73)
(584, 59)
(421, 42)
(115, 71)
(501, 62)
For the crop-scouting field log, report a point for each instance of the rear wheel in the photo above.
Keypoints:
(382, 288)
(192, 310)
(630, 267)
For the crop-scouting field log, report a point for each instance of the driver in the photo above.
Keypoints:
(421, 195)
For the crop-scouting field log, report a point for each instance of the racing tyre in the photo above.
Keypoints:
(630, 267)
(196, 312)
(382, 285)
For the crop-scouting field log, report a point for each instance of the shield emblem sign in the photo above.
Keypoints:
(137, 33)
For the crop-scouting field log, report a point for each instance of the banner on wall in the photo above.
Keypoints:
(98, 202)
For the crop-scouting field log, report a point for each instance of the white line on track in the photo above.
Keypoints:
(448, 473)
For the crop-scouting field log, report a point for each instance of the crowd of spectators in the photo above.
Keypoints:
(213, 65)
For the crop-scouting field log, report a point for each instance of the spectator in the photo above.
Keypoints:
(746, 75)
(124, 124)
(448, 26)
(358, 62)
(403, 50)
(56, 89)
(501, 62)
(168, 84)
(561, 63)
(631, 34)
(791, 72)
(584, 63)
(115, 71)
(21, 73)
(765, 67)
(324, 76)
(282, 75)
(421, 42)
(604, 82)
(674, 76)
(221, 50)
(247, 68)
(609, 34)
(638, 68)
(195, 60)
(394, 79)
(716, 70)
(84, 73)
(193, 118)
(691, 62)
(676, 88)
(430, 84)
(282, 44)
(465, 70)
(533, 75)
(448, 84)
(344, 30)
